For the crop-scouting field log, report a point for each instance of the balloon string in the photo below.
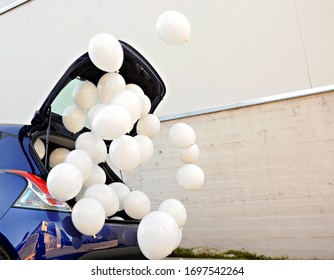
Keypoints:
(47, 138)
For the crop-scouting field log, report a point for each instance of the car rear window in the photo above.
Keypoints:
(64, 99)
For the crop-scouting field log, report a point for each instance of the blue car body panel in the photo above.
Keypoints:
(12, 154)
(9, 129)
(52, 235)
(11, 186)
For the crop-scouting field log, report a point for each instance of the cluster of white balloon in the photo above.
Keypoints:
(111, 108)
(160, 232)
(190, 176)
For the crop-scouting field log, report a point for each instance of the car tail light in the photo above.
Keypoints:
(37, 196)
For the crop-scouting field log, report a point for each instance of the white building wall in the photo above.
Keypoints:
(238, 49)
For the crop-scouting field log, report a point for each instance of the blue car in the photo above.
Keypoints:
(33, 224)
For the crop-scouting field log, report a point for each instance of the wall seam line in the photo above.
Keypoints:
(303, 45)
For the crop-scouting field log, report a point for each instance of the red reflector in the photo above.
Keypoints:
(39, 182)
(38, 194)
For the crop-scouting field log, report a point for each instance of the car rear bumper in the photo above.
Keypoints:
(129, 253)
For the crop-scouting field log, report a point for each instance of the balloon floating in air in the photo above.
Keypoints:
(158, 235)
(182, 135)
(106, 52)
(190, 177)
(64, 181)
(173, 28)
(88, 216)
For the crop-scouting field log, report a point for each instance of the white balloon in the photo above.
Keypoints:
(82, 160)
(81, 193)
(88, 216)
(135, 88)
(58, 156)
(149, 126)
(175, 208)
(112, 122)
(93, 145)
(182, 135)
(179, 239)
(145, 105)
(106, 52)
(137, 204)
(110, 163)
(122, 191)
(146, 148)
(74, 118)
(93, 112)
(97, 176)
(109, 85)
(64, 181)
(190, 155)
(130, 101)
(190, 177)
(116, 218)
(157, 235)
(85, 95)
(40, 148)
(106, 195)
(173, 28)
(124, 152)
(145, 100)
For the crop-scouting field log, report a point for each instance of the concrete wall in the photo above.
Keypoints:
(269, 178)
(238, 49)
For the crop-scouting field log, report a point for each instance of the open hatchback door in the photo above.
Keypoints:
(135, 69)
